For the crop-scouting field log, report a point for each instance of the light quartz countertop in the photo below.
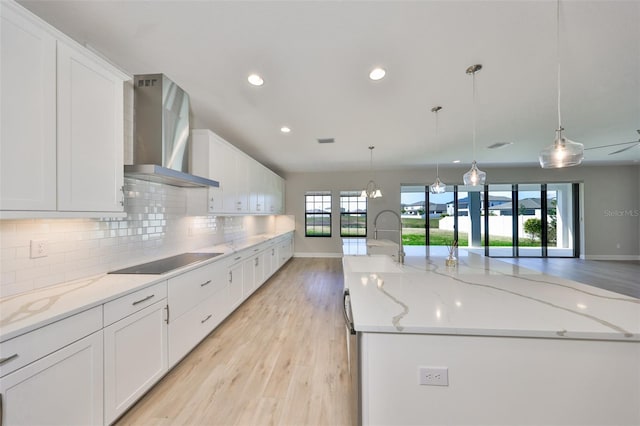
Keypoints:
(480, 296)
(27, 311)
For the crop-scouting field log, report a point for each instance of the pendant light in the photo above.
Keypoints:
(371, 190)
(474, 176)
(563, 152)
(437, 187)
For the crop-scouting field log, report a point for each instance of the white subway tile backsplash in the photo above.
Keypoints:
(156, 225)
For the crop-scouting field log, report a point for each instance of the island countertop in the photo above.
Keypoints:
(481, 296)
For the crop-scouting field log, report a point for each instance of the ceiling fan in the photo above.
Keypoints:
(630, 145)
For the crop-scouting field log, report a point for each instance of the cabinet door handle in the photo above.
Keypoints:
(167, 308)
(257, 259)
(205, 283)
(206, 319)
(7, 359)
(230, 276)
(122, 200)
(143, 300)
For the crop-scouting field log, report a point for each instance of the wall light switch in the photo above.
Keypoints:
(39, 248)
(434, 376)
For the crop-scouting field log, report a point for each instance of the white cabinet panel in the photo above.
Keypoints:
(246, 186)
(133, 302)
(63, 388)
(90, 134)
(258, 187)
(135, 358)
(28, 113)
(189, 289)
(235, 278)
(61, 145)
(188, 330)
(28, 347)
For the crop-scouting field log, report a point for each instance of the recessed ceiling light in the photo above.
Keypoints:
(456, 161)
(377, 74)
(285, 129)
(255, 80)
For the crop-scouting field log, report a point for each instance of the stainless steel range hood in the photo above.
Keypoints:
(161, 142)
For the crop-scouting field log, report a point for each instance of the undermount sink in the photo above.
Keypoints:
(373, 263)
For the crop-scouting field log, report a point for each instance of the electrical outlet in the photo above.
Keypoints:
(434, 376)
(39, 248)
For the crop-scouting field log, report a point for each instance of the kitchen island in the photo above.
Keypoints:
(516, 346)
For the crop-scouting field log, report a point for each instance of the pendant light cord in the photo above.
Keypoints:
(474, 115)
(558, 59)
(437, 143)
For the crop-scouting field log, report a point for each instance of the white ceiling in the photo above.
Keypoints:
(315, 57)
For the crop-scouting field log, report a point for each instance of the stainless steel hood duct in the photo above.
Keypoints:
(161, 129)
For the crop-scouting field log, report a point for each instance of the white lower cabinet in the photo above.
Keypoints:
(198, 301)
(135, 357)
(235, 277)
(188, 330)
(62, 388)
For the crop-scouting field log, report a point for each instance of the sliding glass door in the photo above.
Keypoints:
(498, 220)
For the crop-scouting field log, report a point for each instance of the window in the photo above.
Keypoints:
(317, 214)
(353, 214)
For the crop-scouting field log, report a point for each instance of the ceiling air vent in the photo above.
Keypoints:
(499, 145)
(326, 140)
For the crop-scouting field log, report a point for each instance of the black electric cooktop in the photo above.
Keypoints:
(167, 264)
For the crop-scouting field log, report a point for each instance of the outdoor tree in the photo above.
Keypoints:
(533, 227)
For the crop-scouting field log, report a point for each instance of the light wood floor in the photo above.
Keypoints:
(279, 359)
(619, 276)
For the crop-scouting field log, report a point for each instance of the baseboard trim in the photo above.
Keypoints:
(610, 257)
(305, 254)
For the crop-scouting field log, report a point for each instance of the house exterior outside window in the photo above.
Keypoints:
(317, 214)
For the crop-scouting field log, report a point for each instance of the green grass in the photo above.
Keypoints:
(441, 237)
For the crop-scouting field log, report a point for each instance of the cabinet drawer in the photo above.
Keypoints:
(24, 349)
(133, 302)
(188, 330)
(187, 290)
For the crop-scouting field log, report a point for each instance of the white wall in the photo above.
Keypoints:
(610, 216)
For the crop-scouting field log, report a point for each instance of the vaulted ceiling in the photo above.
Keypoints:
(315, 57)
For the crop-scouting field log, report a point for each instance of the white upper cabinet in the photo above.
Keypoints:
(246, 186)
(28, 106)
(258, 184)
(90, 134)
(61, 146)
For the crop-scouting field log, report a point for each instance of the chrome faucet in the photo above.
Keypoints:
(401, 253)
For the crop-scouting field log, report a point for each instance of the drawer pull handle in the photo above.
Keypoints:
(7, 359)
(206, 319)
(238, 258)
(143, 300)
(203, 284)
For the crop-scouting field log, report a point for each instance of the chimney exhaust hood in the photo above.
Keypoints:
(161, 134)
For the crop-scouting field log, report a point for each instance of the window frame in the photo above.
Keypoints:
(349, 213)
(308, 215)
